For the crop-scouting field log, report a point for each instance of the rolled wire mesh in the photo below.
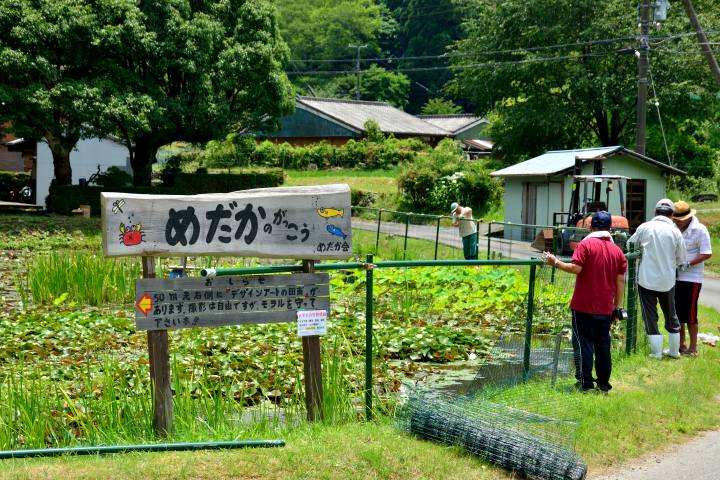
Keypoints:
(493, 432)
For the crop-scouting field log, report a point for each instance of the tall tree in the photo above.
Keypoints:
(191, 71)
(553, 75)
(51, 72)
(426, 29)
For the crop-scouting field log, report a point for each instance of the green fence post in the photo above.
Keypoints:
(377, 236)
(407, 224)
(437, 236)
(555, 252)
(528, 322)
(488, 239)
(368, 336)
(631, 327)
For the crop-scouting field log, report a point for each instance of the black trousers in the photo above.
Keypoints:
(649, 300)
(591, 338)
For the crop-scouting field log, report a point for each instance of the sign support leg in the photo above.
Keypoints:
(312, 367)
(159, 352)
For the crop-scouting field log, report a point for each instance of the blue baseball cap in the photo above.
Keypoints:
(601, 219)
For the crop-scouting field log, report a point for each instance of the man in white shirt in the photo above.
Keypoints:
(690, 278)
(462, 218)
(662, 251)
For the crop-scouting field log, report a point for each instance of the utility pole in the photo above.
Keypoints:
(641, 107)
(357, 69)
(702, 40)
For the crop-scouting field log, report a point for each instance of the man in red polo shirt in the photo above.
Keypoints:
(600, 268)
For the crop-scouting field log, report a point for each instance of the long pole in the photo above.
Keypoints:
(357, 69)
(702, 40)
(312, 366)
(641, 107)
(368, 336)
(529, 322)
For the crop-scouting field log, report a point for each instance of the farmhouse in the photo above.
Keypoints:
(336, 121)
(467, 128)
(538, 190)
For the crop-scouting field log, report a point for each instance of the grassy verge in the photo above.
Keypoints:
(378, 181)
(640, 415)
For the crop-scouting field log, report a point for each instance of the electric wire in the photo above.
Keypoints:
(657, 107)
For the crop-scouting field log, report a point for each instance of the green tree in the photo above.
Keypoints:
(426, 30)
(193, 70)
(377, 84)
(440, 106)
(552, 76)
(52, 79)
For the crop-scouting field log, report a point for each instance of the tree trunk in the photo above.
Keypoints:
(61, 147)
(142, 161)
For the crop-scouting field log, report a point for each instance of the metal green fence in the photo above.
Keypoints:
(540, 314)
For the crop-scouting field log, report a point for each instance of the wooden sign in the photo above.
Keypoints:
(162, 304)
(284, 222)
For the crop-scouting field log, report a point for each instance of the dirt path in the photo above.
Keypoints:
(698, 459)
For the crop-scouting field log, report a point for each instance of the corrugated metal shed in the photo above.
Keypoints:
(559, 161)
(354, 113)
(454, 123)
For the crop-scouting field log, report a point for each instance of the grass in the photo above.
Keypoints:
(393, 247)
(709, 215)
(640, 415)
(378, 181)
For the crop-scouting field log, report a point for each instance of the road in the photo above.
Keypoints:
(710, 294)
(450, 236)
(698, 459)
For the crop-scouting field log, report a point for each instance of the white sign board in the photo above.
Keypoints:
(285, 222)
(312, 322)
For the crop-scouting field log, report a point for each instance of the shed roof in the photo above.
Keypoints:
(456, 123)
(562, 161)
(354, 113)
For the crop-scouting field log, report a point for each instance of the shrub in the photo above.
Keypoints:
(435, 180)
(11, 183)
(114, 177)
(66, 198)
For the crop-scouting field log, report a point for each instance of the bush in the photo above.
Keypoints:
(114, 177)
(66, 198)
(434, 181)
(11, 183)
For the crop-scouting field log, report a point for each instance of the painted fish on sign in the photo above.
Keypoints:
(284, 222)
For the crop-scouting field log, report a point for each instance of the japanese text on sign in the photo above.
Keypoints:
(312, 322)
(285, 222)
(203, 302)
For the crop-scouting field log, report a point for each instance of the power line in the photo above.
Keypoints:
(462, 67)
(475, 54)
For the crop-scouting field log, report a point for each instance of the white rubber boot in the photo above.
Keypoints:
(674, 346)
(656, 344)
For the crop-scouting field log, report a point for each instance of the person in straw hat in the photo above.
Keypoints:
(690, 276)
(663, 251)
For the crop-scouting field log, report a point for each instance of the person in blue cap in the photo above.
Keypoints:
(600, 267)
(463, 219)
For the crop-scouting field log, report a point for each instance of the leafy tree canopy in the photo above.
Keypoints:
(52, 77)
(440, 106)
(192, 70)
(377, 84)
(551, 74)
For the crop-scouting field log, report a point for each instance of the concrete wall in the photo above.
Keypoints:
(84, 160)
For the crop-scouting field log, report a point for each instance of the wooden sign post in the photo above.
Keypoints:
(312, 367)
(304, 223)
(159, 355)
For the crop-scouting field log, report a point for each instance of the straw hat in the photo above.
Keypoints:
(683, 211)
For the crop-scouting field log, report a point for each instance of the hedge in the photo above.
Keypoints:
(66, 198)
(11, 183)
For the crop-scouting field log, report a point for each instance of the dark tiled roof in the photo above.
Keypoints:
(354, 113)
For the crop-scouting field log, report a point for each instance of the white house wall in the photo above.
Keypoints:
(84, 161)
